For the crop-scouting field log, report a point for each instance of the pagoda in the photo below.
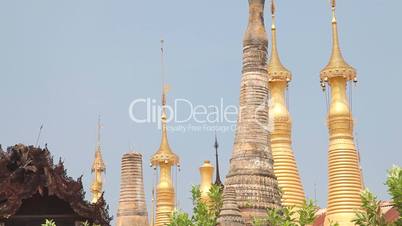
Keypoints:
(164, 159)
(98, 168)
(344, 175)
(285, 166)
(251, 172)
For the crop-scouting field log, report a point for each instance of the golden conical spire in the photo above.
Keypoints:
(98, 167)
(164, 152)
(337, 65)
(276, 71)
(285, 166)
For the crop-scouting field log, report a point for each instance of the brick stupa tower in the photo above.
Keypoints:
(132, 209)
(230, 213)
(251, 172)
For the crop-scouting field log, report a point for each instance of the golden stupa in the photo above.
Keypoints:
(344, 175)
(164, 158)
(206, 172)
(285, 166)
(98, 168)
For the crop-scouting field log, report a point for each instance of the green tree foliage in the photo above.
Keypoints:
(180, 218)
(216, 197)
(201, 213)
(290, 216)
(394, 183)
(371, 214)
(49, 222)
(331, 223)
(204, 214)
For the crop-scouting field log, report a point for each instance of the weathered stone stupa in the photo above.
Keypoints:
(132, 209)
(230, 213)
(251, 172)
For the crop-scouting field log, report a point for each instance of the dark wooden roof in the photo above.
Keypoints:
(26, 171)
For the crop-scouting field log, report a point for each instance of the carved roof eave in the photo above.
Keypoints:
(348, 72)
(279, 76)
(165, 158)
(34, 172)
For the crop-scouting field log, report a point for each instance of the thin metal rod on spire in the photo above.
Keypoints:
(38, 137)
(164, 89)
(98, 135)
(273, 10)
(162, 64)
(177, 190)
(153, 199)
(333, 6)
(163, 73)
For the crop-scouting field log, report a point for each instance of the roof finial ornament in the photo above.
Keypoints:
(273, 9)
(276, 71)
(336, 63)
(333, 4)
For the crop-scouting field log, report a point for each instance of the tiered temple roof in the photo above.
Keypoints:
(28, 173)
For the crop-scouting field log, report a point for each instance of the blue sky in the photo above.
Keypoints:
(64, 62)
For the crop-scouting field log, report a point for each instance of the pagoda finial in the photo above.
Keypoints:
(218, 177)
(337, 65)
(164, 152)
(333, 4)
(273, 13)
(276, 71)
(165, 90)
(98, 167)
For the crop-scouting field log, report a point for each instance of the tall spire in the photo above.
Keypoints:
(164, 158)
(218, 177)
(337, 65)
(98, 167)
(276, 71)
(285, 166)
(164, 149)
(344, 174)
